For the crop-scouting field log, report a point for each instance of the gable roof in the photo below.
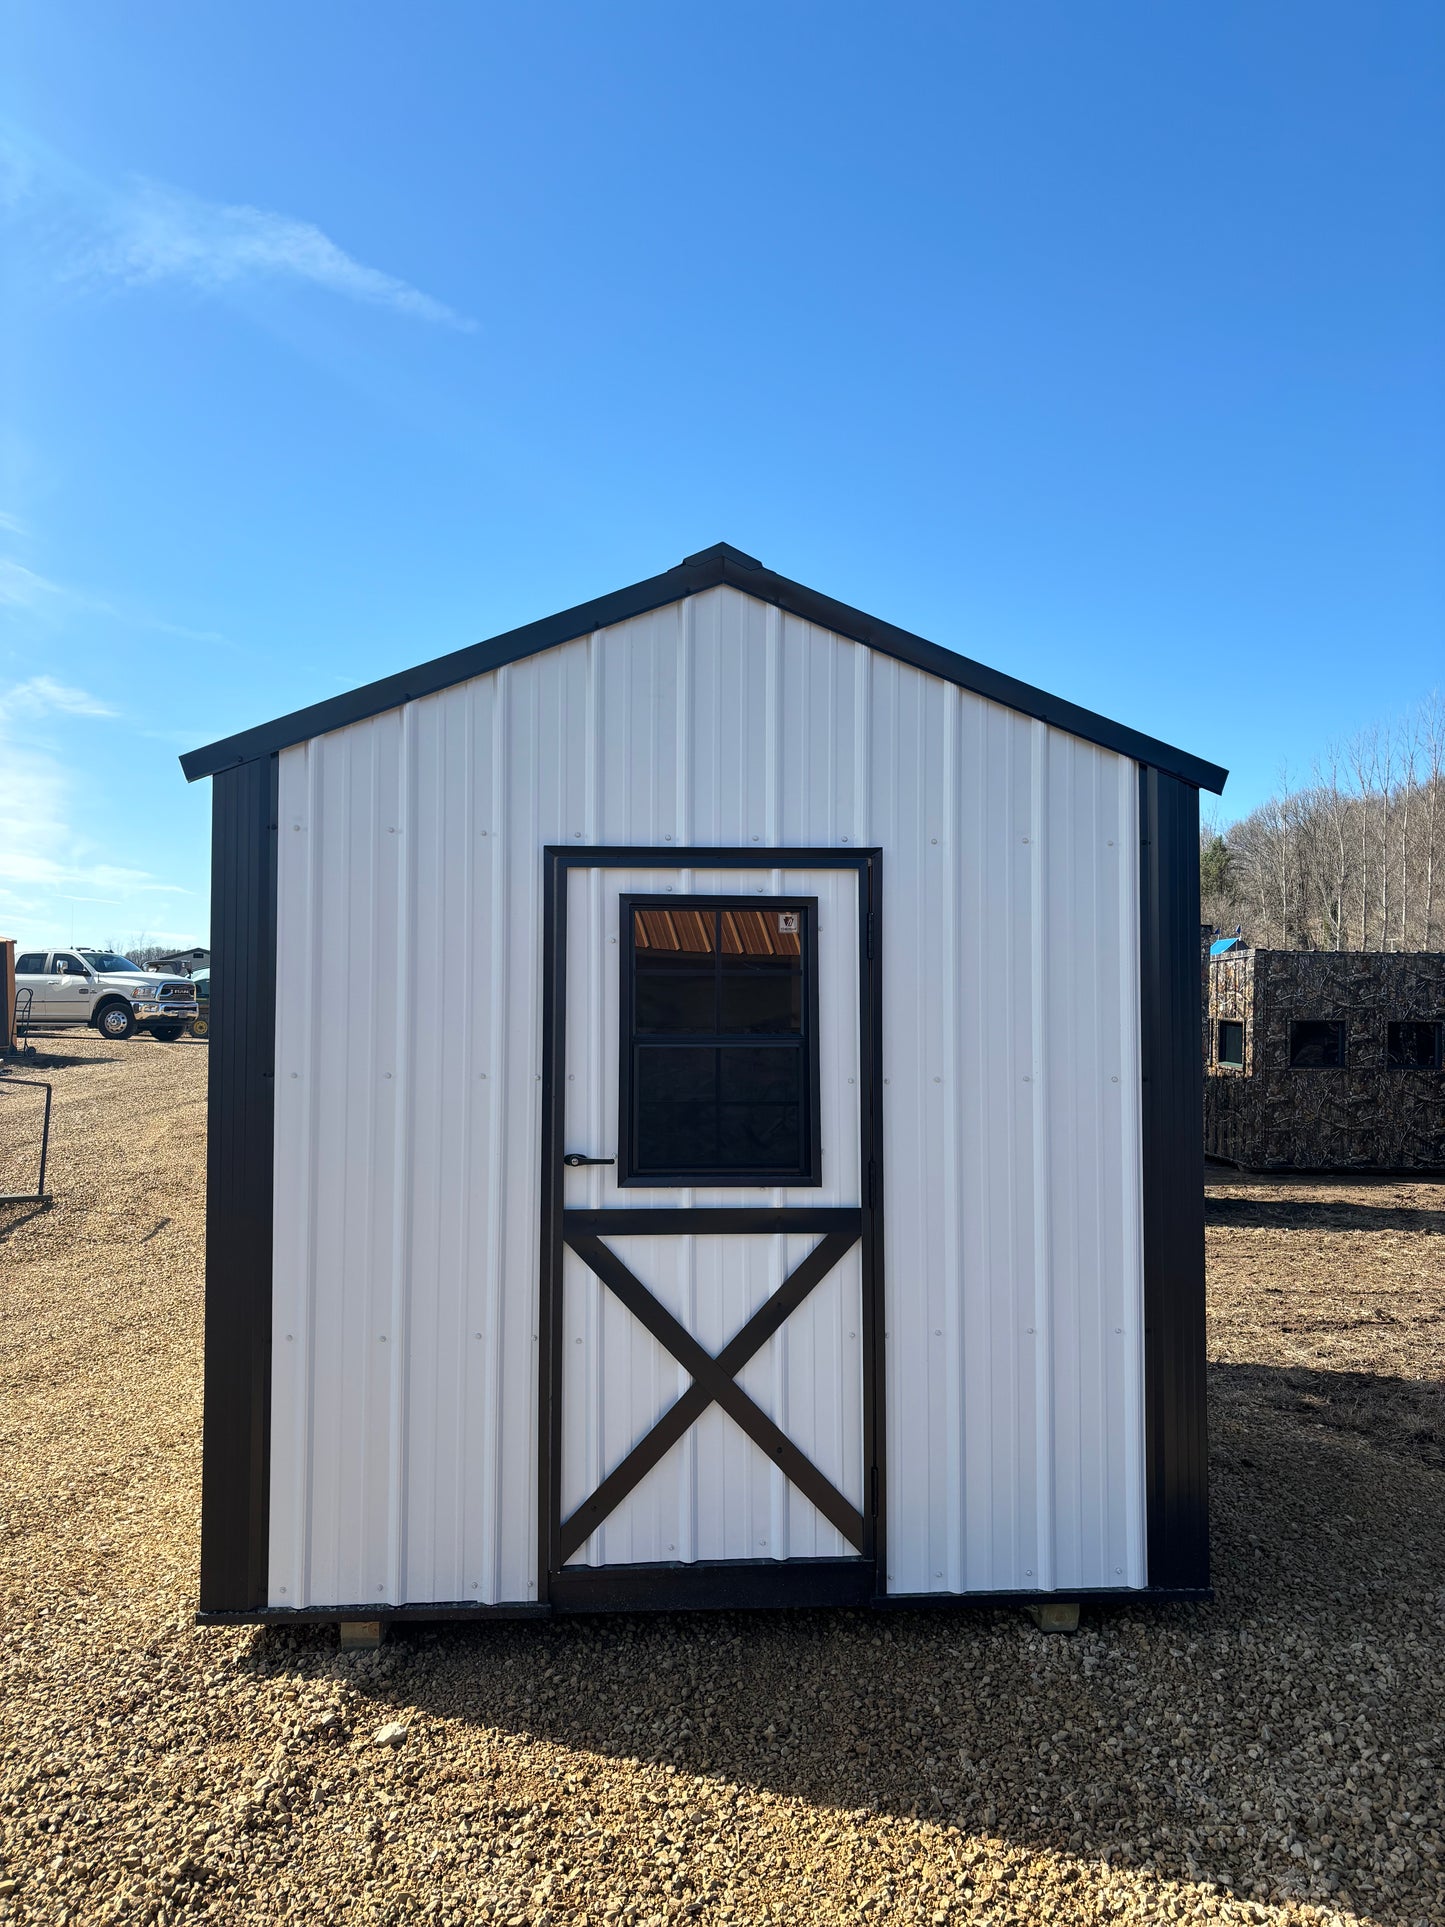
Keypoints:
(709, 569)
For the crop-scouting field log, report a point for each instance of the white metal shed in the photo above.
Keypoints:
(705, 1098)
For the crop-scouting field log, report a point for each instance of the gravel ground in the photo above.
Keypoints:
(1274, 1757)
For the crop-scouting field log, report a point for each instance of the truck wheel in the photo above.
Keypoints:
(167, 1033)
(115, 1021)
(200, 1027)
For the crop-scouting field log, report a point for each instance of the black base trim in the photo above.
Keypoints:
(1061, 1595)
(727, 1586)
(333, 1615)
(719, 1585)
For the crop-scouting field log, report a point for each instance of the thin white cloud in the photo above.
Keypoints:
(11, 524)
(22, 588)
(25, 590)
(156, 233)
(42, 693)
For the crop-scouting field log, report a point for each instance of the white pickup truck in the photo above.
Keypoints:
(110, 993)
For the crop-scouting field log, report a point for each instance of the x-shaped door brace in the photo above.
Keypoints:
(714, 1381)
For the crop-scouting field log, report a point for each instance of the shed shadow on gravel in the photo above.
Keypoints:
(1199, 1744)
(1317, 1214)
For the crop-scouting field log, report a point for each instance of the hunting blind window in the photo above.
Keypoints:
(719, 1082)
(1412, 1045)
(1229, 1049)
(1316, 1044)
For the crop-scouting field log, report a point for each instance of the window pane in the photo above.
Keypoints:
(1316, 1045)
(1414, 1046)
(762, 1076)
(762, 970)
(760, 1137)
(1230, 1049)
(32, 964)
(675, 1100)
(676, 964)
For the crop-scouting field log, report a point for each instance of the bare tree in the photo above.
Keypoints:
(1354, 857)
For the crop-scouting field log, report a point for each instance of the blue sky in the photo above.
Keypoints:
(1100, 343)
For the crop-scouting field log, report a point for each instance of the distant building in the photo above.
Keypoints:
(182, 963)
(1326, 1060)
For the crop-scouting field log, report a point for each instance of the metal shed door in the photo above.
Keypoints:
(710, 1344)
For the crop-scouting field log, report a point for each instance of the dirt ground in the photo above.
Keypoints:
(1275, 1756)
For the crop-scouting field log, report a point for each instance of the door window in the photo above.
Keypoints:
(719, 1080)
(32, 964)
(69, 967)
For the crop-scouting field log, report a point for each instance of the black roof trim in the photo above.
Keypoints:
(709, 569)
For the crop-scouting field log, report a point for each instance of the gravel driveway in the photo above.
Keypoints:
(1276, 1756)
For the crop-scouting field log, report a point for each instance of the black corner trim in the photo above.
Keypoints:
(237, 1424)
(1176, 1436)
(708, 569)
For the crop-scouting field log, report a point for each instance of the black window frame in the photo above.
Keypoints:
(1336, 1023)
(628, 1170)
(1435, 1024)
(22, 963)
(1223, 1062)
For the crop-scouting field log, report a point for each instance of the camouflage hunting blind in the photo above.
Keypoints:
(1326, 1060)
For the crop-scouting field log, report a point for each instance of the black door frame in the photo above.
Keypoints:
(850, 1581)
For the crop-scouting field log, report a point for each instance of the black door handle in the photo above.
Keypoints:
(576, 1157)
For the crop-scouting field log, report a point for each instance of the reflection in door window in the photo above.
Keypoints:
(720, 1073)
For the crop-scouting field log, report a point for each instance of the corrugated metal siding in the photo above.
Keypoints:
(406, 1164)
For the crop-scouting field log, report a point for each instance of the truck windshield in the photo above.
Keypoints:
(107, 960)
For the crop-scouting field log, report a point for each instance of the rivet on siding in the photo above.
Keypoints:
(1111, 845)
(755, 839)
(571, 1077)
(1025, 839)
(381, 1339)
(852, 1334)
(386, 1074)
(1118, 1570)
(1030, 1331)
(888, 1080)
(850, 1080)
(296, 826)
(667, 836)
(669, 886)
(482, 1075)
(577, 1341)
(478, 1334)
(933, 839)
(1118, 1331)
(288, 1338)
(475, 1586)
(283, 1589)
(1028, 1080)
(938, 1080)
(1028, 1572)
(1113, 1080)
(842, 839)
(295, 1073)
(576, 833)
(938, 1333)
(762, 1542)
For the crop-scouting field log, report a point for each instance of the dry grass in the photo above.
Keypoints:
(1272, 1757)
